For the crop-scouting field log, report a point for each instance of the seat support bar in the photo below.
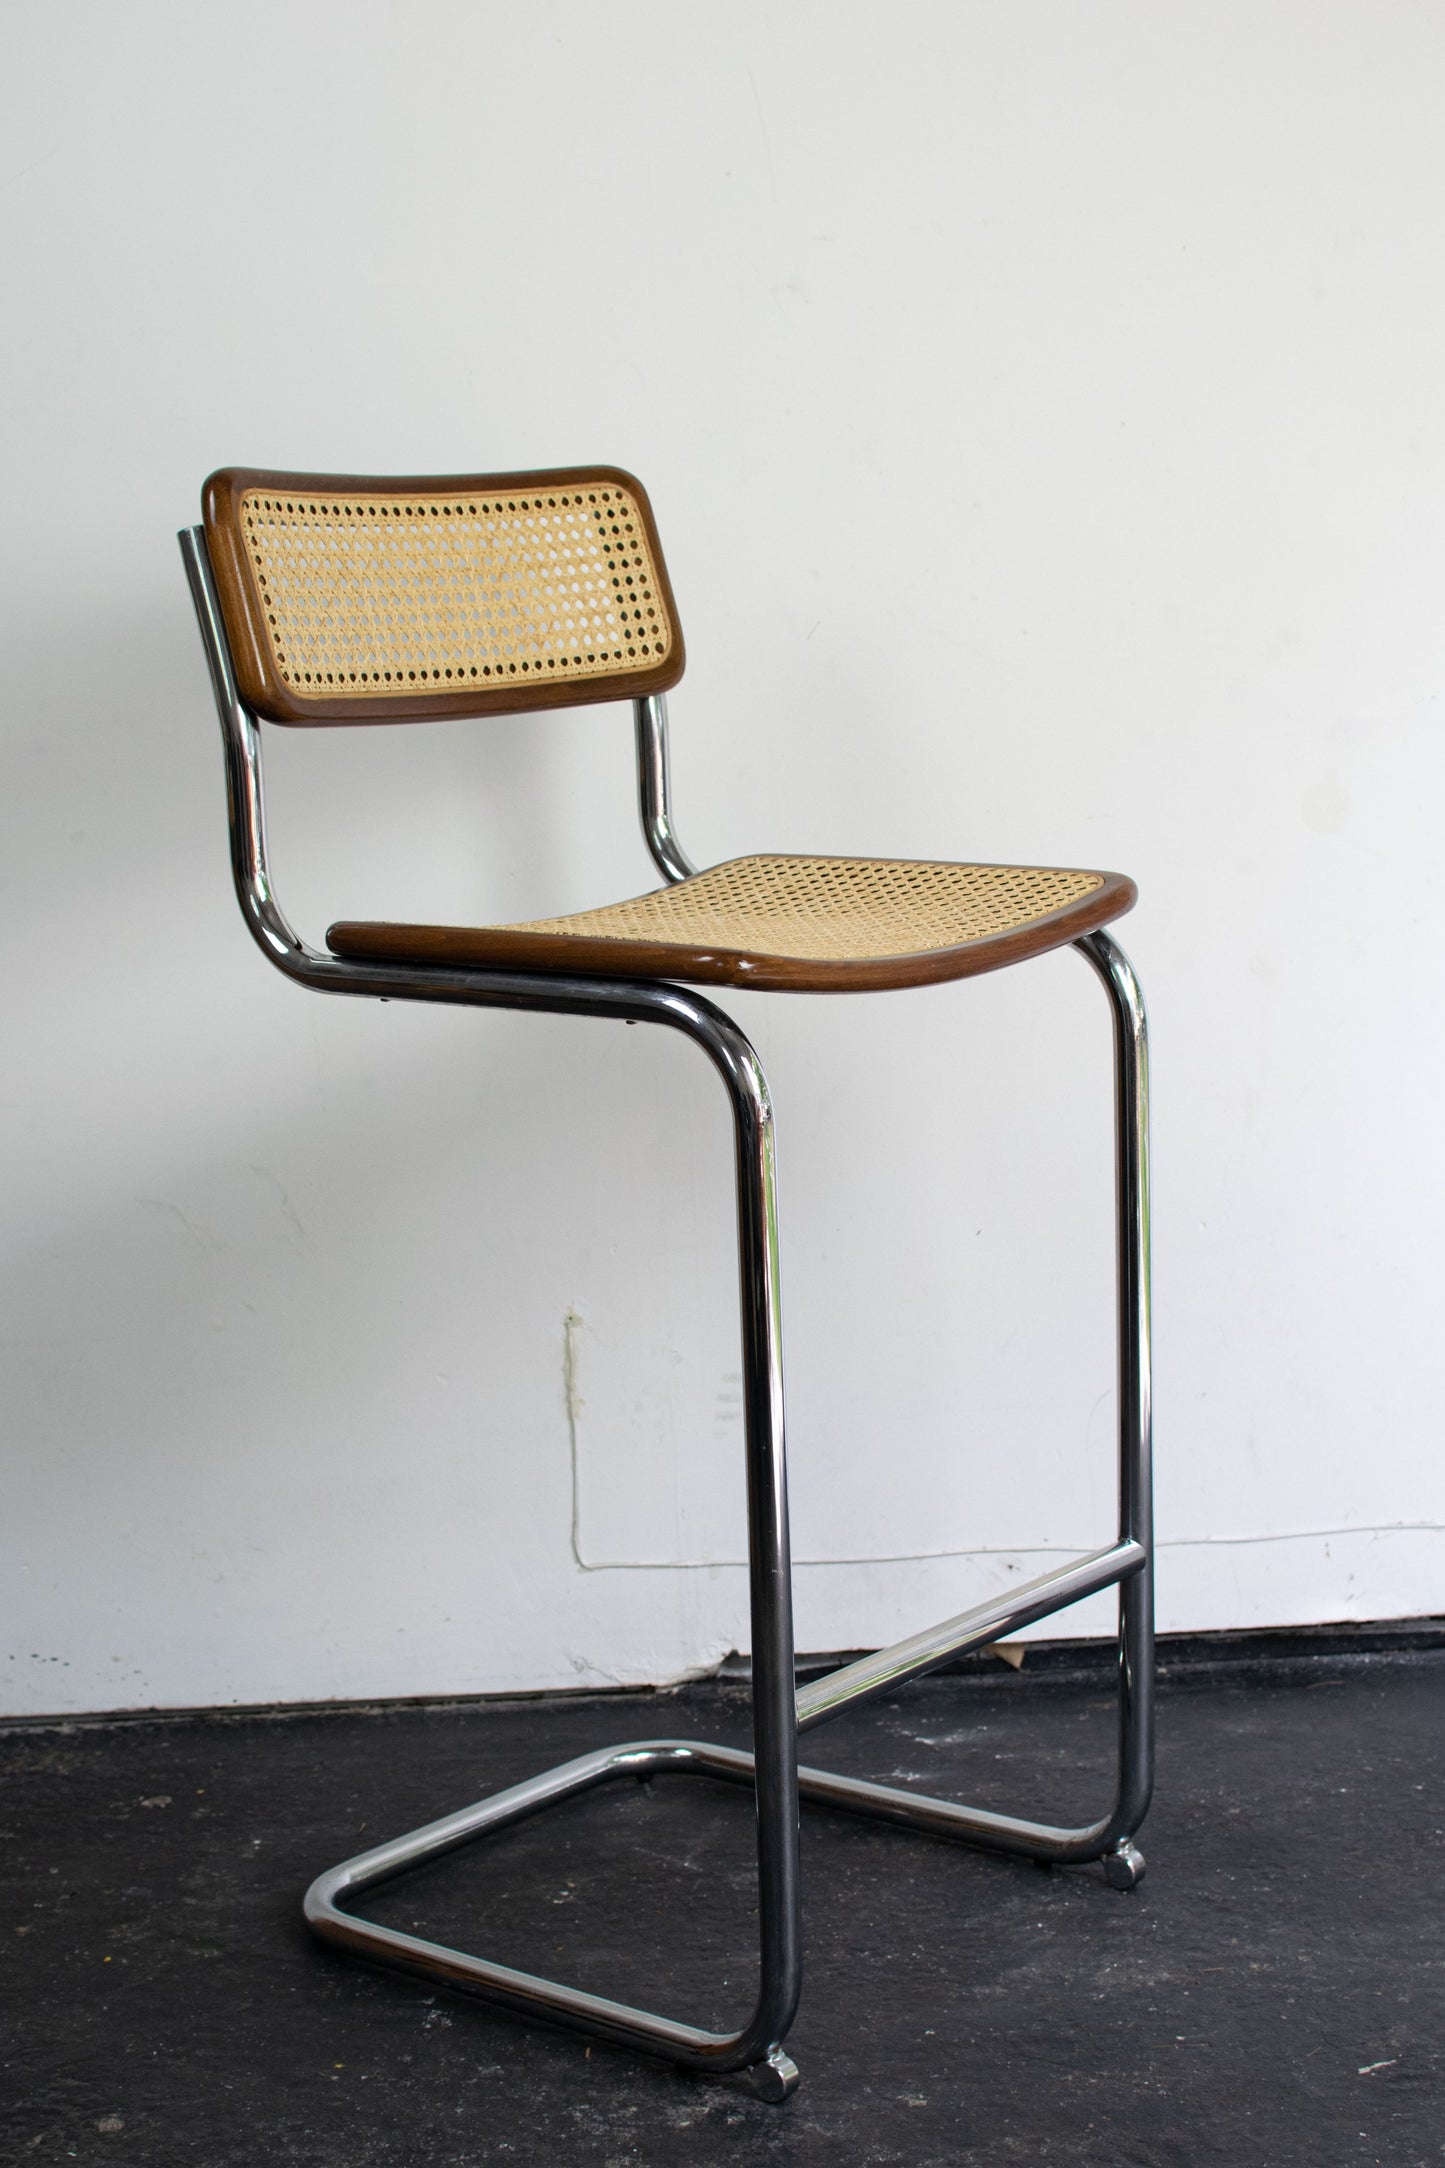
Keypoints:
(877, 1674)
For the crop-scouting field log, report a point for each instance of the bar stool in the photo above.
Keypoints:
(334, 599)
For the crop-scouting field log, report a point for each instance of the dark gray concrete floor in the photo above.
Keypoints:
(1273, 1994)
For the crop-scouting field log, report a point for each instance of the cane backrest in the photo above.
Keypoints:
(364, 599)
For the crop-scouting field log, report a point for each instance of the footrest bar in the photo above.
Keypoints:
(887, 1668)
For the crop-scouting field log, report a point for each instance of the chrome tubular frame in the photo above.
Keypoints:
(754, 2053)
(654, 788)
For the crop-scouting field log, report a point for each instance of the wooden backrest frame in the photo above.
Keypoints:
(558, 679)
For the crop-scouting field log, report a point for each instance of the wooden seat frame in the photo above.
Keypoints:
(754, 2053)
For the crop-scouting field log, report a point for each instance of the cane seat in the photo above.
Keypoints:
(800, 924)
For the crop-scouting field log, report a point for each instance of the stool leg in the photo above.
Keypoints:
(1110, 1839)
(753, 2055)
(1123, 1863)
(775, 1731)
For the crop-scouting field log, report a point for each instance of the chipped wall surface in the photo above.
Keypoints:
(1041, 411)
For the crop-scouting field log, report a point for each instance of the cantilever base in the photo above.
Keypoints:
(761, 2065)
(754, 2054)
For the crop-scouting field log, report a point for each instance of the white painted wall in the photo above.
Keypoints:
(1042, 408)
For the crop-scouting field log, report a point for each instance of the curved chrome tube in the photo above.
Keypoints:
(245, 804)
(757, 2045)
(1134, 1325)
(654, 786)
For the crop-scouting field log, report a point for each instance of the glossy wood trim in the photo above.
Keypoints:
(509, 948)
(260, 684)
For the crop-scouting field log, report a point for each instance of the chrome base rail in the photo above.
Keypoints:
(753, 2054)
(771, 2073)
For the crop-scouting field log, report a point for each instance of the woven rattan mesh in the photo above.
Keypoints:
(375, 595)
(834, 909)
